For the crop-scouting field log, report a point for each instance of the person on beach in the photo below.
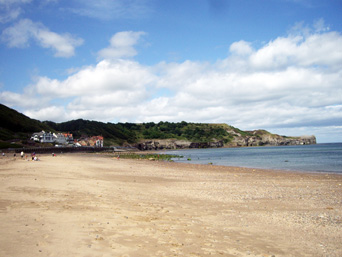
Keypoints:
(22, 154)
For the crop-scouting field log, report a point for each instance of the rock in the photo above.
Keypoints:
(170, 144)
(253, 138)
(264, 138)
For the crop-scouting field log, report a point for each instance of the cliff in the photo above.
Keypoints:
(160, 144)
(272, 140)
(265, 138)
(258, 138)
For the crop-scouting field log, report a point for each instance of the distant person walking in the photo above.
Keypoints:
(22, 154)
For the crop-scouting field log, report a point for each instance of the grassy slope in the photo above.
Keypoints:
(16, 126)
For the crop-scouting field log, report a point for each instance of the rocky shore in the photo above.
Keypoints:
(265, 139)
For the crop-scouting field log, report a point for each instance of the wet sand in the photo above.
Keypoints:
(95, 205)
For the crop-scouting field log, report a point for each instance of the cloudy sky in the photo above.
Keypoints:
(253, 64)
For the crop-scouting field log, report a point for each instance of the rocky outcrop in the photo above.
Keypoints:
(160, 144)
(256, 138)
(271, 140)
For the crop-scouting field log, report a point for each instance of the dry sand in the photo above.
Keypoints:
(94, 205)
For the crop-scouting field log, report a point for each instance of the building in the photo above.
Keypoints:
(43, 137)
(69, 138)
(98, 141)
(60, 139)
(66, 138)
(95, 141)
(48, 137)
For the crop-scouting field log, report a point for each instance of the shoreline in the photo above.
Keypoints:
(303, 159)
(225, 166)
(113, 155)
(124, 207)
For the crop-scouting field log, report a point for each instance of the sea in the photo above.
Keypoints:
(303, 158)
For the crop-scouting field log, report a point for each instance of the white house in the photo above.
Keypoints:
(48, 137)
(43, 137)
(60, 138)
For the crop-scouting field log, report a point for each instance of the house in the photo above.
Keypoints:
(96, 141)
(60, 138)
(48, 137)
(66, 138)
(43, 137)
(69, 138)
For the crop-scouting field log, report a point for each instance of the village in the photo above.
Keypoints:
(66, 139)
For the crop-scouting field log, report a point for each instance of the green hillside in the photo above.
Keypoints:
(114, 134)
(16, 126)
(130, 133)
(16, 129)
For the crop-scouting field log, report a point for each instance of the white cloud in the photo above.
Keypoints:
(48, 113)
(121, 45)
(11, 9)
(176, 76)
(104, 78)
(24, 100)
(21, 34)
(10, 98)
(291, 82)
(11, 2)
(320, 26)
(241, 48)
(108, 10)
(303, 46)
(102, 92)
(64, 45)
(9, 14)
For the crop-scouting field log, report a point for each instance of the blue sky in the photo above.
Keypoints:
(253, 64)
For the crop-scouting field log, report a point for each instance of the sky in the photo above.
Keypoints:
(252, 64)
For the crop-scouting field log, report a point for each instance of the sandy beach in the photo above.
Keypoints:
(97, 205)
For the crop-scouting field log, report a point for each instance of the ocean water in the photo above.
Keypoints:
(311, 158)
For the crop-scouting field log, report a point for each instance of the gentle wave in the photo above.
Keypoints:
(312, 158)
